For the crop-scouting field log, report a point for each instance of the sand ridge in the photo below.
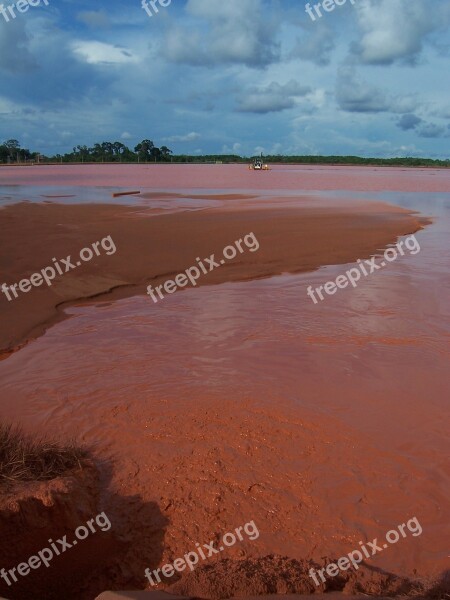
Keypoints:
(154, 248)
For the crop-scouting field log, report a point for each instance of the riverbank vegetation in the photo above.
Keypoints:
(146, 152)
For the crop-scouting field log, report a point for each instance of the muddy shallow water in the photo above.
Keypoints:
(236, 177)
(325, 424)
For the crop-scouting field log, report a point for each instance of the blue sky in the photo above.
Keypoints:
(229, 76)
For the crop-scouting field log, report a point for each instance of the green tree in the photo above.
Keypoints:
(13, 148)
(144, 149)
(12, 145)
(119, 149)
(155, 154)
(165, 153)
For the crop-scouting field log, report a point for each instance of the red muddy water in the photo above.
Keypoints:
(236, 177)
(325, 424)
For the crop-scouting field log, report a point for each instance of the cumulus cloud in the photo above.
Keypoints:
(315, 46)
(101, 53)
(394, 30)
(355, 95)
(272, 98)
(431, 130)
(233, 32)
(93, 81)
(234, 149)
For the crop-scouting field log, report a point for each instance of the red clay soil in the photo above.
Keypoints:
(31, 514)
(183, 470)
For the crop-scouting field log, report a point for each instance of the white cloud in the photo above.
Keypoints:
(100, 53)
(272, 98)
(237, 32)
(113, 80)
(235, 148)
(189, 137)
(394, 29)
(356, 95)
(315, 46)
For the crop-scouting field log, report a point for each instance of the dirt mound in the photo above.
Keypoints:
(281, 575)
(32, 515)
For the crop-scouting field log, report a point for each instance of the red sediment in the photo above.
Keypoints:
(150, 250)
(241, 402)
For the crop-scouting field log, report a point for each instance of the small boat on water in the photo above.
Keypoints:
(258, 165)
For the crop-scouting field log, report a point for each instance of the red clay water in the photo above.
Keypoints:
(236, 177)
(326, 424)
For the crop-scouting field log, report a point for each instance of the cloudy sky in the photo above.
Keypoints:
(229, 76)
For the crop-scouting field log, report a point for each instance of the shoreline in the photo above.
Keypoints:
(243, 162)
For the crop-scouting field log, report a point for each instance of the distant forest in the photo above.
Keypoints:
(146, 152)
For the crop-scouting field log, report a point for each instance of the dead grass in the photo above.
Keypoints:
(23, 458)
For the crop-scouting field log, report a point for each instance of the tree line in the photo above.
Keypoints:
(10, 152)
(407, 161)
(146, 151)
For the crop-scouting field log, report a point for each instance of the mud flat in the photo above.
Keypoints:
(240, 400)
(153, 248)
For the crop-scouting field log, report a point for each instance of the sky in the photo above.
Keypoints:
(367, 78)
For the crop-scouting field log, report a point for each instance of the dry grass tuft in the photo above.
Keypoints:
(23, 458)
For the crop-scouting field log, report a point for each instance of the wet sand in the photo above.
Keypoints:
(325, 424)
(152, 248)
